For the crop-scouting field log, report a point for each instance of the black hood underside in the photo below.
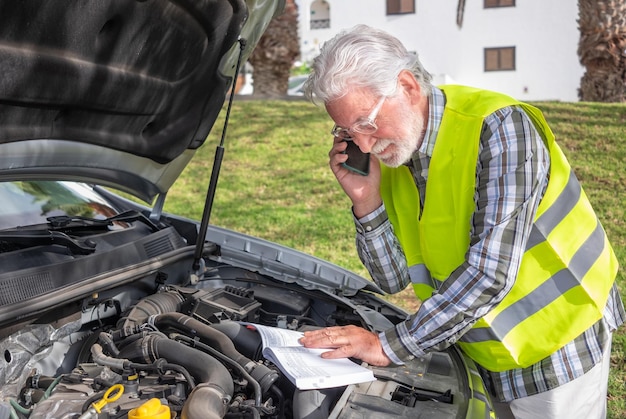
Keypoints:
(136, 76)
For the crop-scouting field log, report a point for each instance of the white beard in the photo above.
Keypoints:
(399, 151)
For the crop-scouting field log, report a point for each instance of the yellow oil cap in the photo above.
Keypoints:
(152, 409)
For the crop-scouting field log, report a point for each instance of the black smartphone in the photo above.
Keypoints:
(358, 162)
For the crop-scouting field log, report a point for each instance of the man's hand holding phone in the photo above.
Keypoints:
(358, 175)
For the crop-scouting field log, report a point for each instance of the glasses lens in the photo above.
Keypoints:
(365, 127)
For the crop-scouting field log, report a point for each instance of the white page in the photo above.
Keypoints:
(304, 366)
(274, 336)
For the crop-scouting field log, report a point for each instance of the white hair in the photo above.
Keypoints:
(362, 57)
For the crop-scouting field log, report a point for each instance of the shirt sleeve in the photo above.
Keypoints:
(512, 172)
(380, 251)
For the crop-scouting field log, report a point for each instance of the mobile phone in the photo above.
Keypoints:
(358, 162)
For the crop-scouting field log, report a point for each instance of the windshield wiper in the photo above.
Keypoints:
(30, 238)
(67, 223)
(58, 226)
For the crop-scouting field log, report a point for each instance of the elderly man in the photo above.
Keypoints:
(467, 197)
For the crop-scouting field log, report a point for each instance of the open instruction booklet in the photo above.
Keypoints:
(304, 367)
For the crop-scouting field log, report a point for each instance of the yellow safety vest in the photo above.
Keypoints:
(568, 266)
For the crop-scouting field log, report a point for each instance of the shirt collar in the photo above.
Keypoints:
(436, 102)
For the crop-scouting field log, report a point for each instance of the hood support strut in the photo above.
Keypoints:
(198, 267)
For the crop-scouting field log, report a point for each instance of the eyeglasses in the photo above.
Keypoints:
(363, 125)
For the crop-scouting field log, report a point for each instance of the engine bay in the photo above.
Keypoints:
(153, 346)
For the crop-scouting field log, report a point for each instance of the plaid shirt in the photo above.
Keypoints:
(512, 175)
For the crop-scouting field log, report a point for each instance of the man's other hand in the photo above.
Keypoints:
(347, 342)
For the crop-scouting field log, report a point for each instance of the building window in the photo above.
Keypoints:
(500, 59)
(320, 14)
(499, 3)
(397, 7)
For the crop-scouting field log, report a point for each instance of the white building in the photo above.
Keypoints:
(525, 48)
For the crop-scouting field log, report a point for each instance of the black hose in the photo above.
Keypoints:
(247, 341)
(214, 352)
(207, 400)
(107, 343)
(164, 302)
(218, 340)
(280, 401)
(135, 351)
(203, 403)
(162, 311)
(176, 368)
(94, 397)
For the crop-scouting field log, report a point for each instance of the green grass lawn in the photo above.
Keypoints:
(275, 184)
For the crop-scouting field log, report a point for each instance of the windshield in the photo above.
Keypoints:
(28, 203)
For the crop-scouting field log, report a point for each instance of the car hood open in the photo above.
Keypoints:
(119, 93)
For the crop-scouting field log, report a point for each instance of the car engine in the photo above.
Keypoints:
(157, 349)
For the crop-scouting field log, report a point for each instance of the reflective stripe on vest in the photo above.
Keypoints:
(568, 266)
(423, 283)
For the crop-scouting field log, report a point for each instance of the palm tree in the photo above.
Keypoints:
(602, 50)
(275, 54)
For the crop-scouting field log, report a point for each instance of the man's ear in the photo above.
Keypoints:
(410, 85)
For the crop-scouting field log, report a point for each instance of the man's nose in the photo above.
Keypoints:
(364, 141)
